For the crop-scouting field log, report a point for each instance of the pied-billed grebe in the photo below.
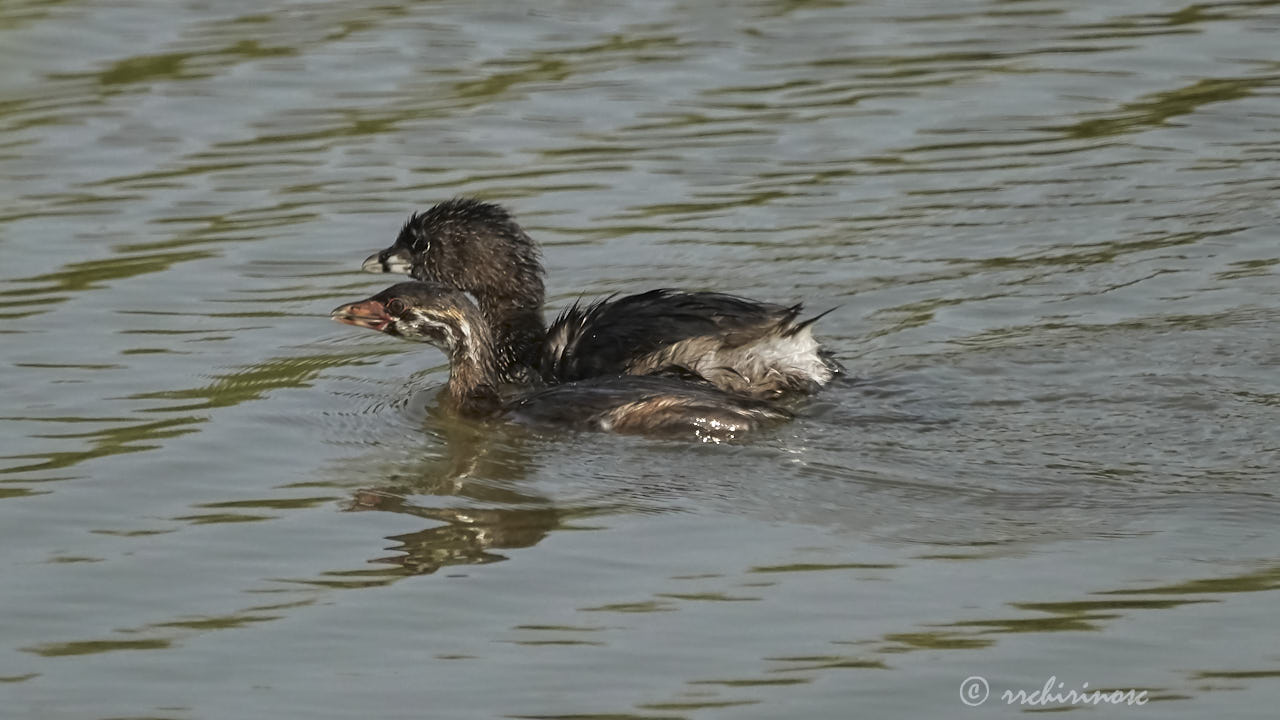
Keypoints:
(738, 344)
(446, 318)
(479, 248)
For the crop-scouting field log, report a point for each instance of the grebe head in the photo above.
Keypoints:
(446, 318)
(425, 312)
(471, 245)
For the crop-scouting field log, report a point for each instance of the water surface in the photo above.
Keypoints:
(1050, 228)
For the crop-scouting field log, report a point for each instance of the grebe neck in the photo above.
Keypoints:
(517, 333)
(474, 372)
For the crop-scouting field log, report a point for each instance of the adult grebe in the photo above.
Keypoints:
(446, 318)
(738, 344)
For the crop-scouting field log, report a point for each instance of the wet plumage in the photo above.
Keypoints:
(635, 404)
(738, 344)
(735, 343)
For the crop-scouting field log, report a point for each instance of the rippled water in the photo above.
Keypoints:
(1050, 227)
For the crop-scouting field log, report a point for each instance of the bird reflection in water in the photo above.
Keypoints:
(467, 537)
(477, 470)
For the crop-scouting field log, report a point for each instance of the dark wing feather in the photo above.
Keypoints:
(606, 336)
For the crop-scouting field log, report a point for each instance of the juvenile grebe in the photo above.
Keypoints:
(446, 318)
(740, 345)
(479, 248)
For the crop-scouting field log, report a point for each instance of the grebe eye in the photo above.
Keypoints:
(396, 307)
